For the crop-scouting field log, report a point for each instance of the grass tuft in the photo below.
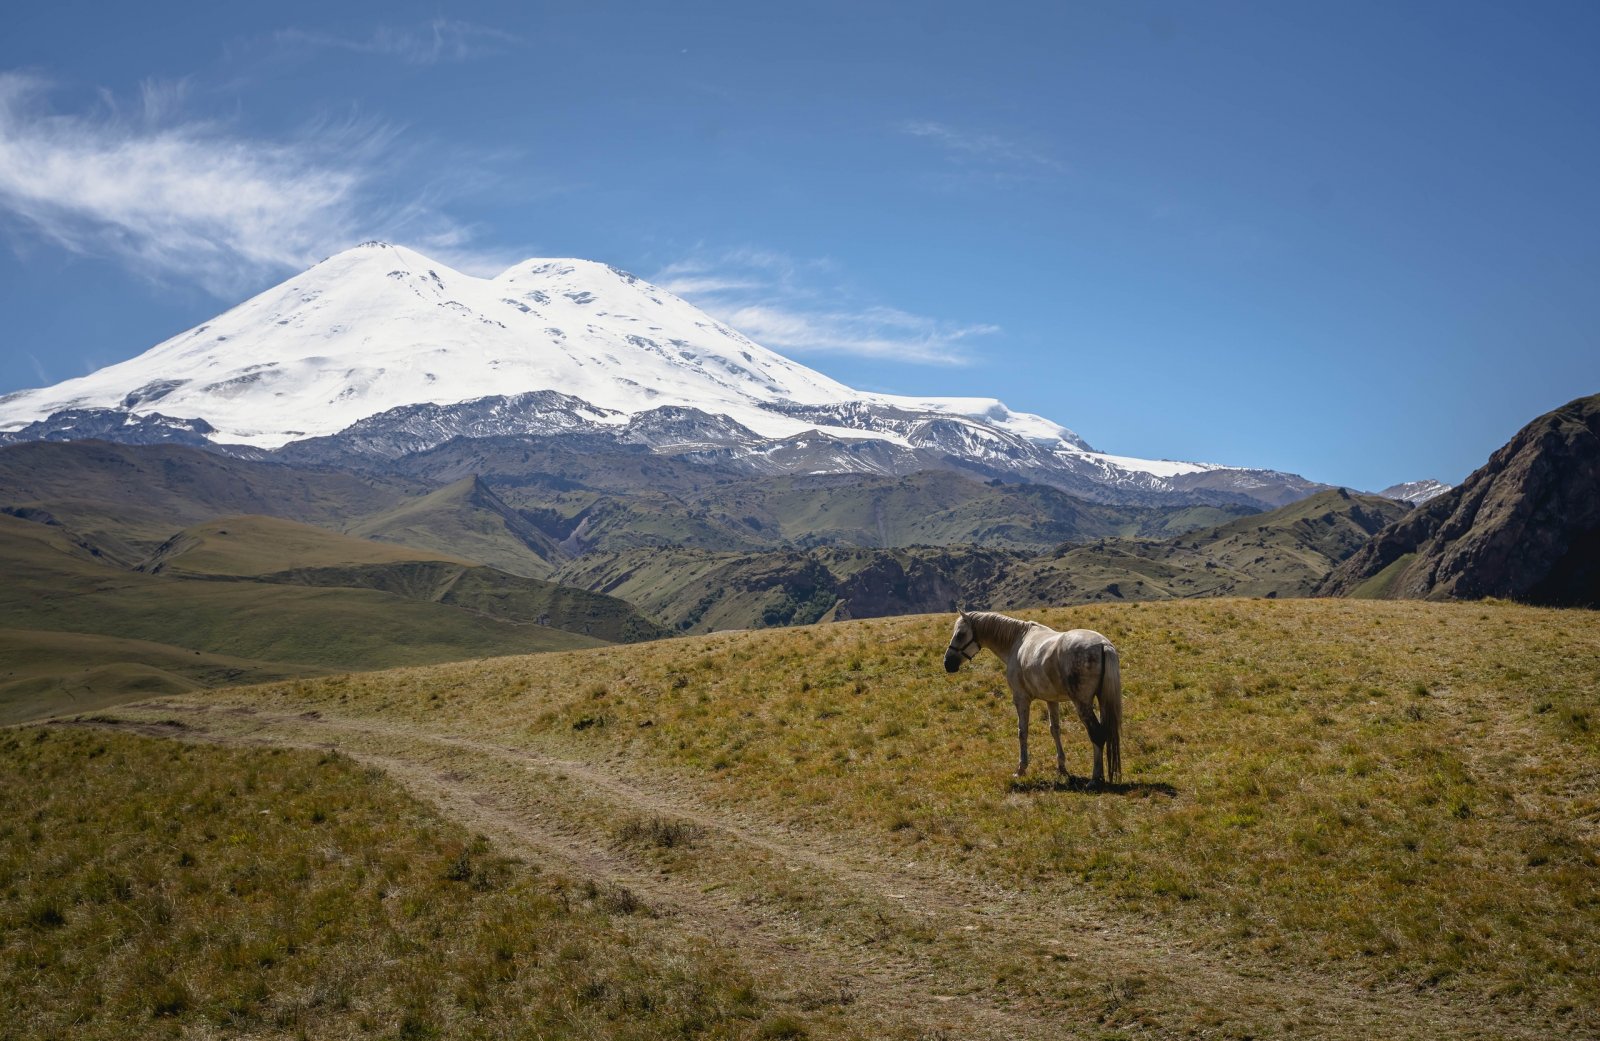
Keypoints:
(147, 895)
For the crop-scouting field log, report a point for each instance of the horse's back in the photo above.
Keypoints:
(1051, 664)
(1085, 638)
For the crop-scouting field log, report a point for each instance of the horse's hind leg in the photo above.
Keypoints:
(1023, 708)
(1055, 732)
(1097, 734)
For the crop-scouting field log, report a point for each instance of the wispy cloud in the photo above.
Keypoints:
(800, 307)
(980, 147)
(38, 369)
(734, 271)
(197, 199)
(441, 40)
(871, 333)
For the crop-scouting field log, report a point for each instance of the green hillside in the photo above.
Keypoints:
(466, 519)
(44, 672)
(1285, 552)
(696, 591)
(1281, 553)
(596, 522)
(940, 508)
(267, 549)
(53, 584)
(247, 546)
(128, 499)
(610, 500)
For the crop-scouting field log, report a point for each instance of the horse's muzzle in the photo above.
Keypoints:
(952, 661)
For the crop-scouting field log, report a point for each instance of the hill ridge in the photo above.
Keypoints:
(1524, 526)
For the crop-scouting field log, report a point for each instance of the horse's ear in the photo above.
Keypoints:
(962, 611)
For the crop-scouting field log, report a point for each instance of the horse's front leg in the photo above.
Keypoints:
(1055, 732)
(1023, 710)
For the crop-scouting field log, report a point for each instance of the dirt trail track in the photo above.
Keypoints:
(894, 949)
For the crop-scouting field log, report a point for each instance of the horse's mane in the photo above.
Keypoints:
(992, 627)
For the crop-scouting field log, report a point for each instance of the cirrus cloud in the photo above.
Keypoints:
(794, 307)
(997, 155)
(440, 40)
(198, 199)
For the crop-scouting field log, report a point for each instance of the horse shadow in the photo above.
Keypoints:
(1086, 786)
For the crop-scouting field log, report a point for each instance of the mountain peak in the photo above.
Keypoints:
(380, 330)
(380, 326)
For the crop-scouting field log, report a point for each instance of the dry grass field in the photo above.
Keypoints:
(158, 889)
(1338, 819)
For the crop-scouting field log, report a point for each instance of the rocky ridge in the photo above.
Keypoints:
(1524, 526)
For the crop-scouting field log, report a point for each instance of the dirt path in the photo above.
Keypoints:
(888, 947)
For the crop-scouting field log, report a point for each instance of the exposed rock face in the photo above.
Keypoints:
(1525, 526)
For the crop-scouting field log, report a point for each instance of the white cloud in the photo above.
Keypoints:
(694, 278)
(441, 40)
(990, 149)
(789, 306)
(196, 199)
(867, 334)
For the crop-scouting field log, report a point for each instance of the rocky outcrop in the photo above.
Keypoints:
(1525, 526)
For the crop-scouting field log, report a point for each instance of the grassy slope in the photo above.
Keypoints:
(197, 891)
(1401, 793)
(696, 591)
(55, 586)
(940, 508)
(247, 546)
(748, 515)
(129, 499)
(44, 672)
(466, 518)
(691, 590)
(279, 551)
(1378, 586)
(1281, 553)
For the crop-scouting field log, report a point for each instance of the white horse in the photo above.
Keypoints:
(1042, 664)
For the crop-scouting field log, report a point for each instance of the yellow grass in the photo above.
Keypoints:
(150, 889)
(247, 546)
(1401, 793)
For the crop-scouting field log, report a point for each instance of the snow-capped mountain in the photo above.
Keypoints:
(1416, 492)
(387, 352)
(379, 326)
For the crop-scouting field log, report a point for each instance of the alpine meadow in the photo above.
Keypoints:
(554, 523)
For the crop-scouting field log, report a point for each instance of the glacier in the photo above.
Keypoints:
(372, 335)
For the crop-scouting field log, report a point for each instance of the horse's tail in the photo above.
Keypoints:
(1110, 697)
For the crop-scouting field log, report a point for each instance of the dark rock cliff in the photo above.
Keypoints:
(1525, 526)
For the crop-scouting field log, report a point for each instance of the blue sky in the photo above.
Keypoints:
(1356, 241)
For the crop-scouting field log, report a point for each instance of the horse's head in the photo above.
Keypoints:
(963, 644)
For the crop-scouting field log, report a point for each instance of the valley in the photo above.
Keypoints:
(190, 554)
